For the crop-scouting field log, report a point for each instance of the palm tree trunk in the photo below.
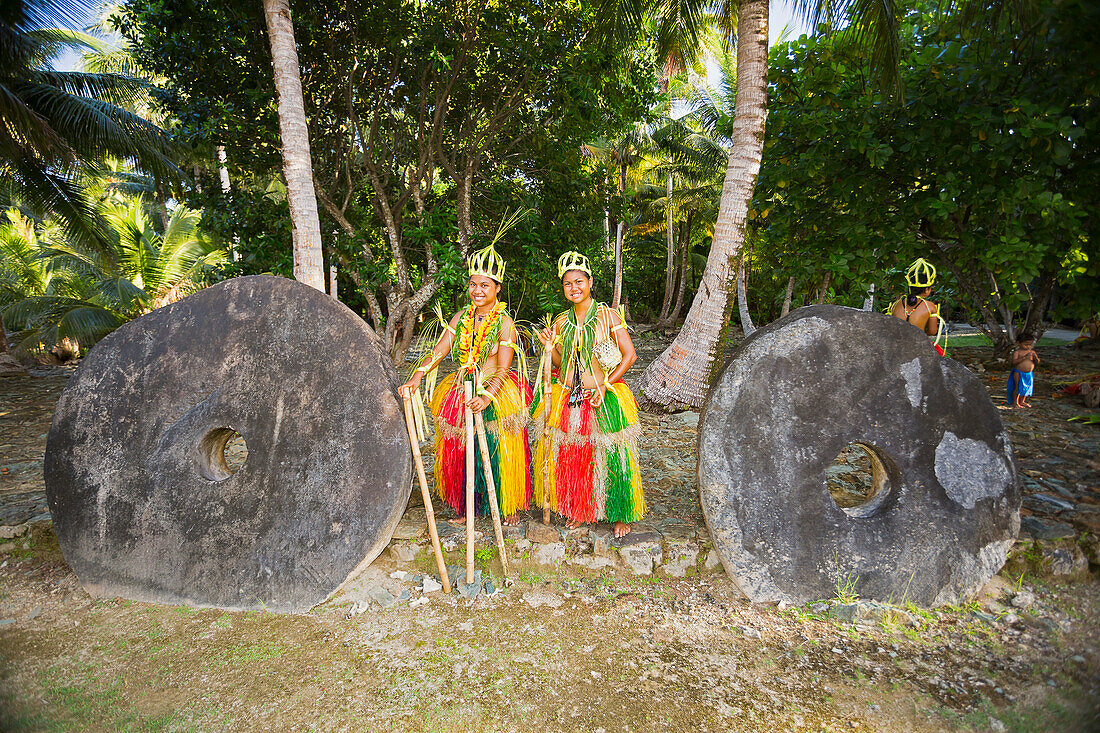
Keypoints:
(619, 233)
(787, 298)
(824, 288)
(681, 376)
(294, 132)
(685, 252)
(670, 261)
(743, 300)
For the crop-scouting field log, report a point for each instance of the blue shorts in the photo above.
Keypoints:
(1020, 383)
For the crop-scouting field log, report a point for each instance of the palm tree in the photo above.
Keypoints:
(81, 293)
(294, 131)
(57, 125)
(680, 377)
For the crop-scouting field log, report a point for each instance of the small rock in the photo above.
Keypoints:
(34, 613)
(422, 600)
(1010, 618)
(592, 562)
(539, 597)
(641, 558)
(550, 554)
(1065, 561)
(601, 538)
(1054, 502)
(1046, 529)
(398, 574)
(8, 532)
(457, 575)
(997, 726)
(1023, 599)
(9, 621)
(381, 596)
(819, 607)
(431, 585)
(543, 533)
(468, 590)
(713, 560)
(466, 626)
(522, 545)
(679, 557)
(640, 534)
(515, 531)
(490, 589)
(1078, 658)
(749, 632)
(403, 552)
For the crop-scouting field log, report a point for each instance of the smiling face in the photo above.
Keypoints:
(483, 290)
(577, 286)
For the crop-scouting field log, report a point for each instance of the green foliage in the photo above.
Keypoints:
(989, 167)
(58, 289)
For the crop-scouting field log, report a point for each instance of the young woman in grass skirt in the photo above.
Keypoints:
(592, 443)
(482, 340)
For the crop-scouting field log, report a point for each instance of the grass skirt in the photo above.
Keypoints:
(506, 434)
(593, 456)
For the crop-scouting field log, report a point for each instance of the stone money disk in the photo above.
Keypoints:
(790, 399)
(144, 503)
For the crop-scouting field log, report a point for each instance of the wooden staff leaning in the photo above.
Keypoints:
(429, 510)
(490, 484)
(547, 447)
(468, 427)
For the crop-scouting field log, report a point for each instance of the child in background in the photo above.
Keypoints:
(1021, 380)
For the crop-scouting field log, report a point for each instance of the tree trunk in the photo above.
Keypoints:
(619, 234)
(332, 288)
(1037, 308)
(820, 300)
(681, 376)
(743, 300)
(670, 260)
(787, 298)
(294, 133)
(685, 252)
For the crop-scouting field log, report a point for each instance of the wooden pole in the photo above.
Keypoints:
(547, 449)
(468, 424)
(487, 468)
(410, 423)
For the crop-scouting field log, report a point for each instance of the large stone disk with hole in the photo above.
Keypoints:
(797, 393)
(146, 503)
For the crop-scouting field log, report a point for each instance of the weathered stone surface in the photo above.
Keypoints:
(143, 502)
(1046, 529)
(791, 398)
(550, 554)
(679, 557)
(642, 557)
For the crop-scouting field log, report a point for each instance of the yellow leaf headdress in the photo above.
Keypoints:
(573, 261)
(488, 263)
(921, 274)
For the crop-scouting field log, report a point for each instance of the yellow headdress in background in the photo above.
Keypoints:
(573, 261)
(921, 274)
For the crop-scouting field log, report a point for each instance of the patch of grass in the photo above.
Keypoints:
(250, 652)
(845, 586)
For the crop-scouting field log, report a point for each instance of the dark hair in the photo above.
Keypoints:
(1025, 336)
(575, 269)
(914, 294)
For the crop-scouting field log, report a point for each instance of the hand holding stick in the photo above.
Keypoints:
(490, 484)
(429, 511)
(468, 424)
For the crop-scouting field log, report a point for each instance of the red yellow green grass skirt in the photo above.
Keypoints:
(593, 454)
(506, 434)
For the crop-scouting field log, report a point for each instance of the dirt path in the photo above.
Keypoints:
(565, 653)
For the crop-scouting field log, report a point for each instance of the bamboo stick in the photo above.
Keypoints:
(429, 510)
(487, 468)
(547, 449)
(468, 424)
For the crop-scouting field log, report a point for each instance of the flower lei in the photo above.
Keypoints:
(472, 341)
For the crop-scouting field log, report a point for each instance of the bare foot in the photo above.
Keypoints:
(457, 521)
(622, 529)
(573, 524)
(511, 520)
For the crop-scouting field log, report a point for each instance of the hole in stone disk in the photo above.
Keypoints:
(860, 479)
(222, 452)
